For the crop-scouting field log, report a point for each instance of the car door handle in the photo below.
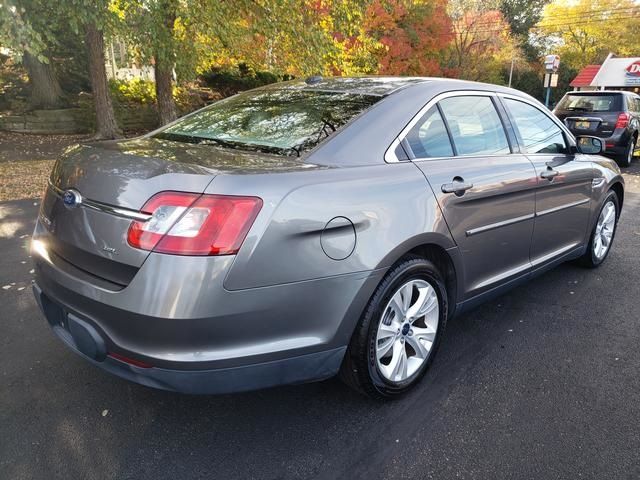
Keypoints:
(549, 173)
(457, 186)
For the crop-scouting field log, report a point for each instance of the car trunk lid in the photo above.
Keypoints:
(601, 124)
(114, 180)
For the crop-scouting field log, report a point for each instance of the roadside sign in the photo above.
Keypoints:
(634, 69)
(552, 63)
(550, 80)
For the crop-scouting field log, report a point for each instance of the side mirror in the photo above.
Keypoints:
(590, 145)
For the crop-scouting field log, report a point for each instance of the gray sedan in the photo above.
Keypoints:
(313, 228)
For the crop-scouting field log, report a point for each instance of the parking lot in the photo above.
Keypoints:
(540, 383)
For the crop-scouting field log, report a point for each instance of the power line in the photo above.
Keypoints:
(585, 17)
(548, 26)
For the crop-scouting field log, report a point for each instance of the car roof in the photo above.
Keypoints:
(598, 92)
(378, 126)
(384, 86)
(379, 86)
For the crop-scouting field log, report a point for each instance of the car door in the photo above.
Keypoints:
(564, 186)
(485, 191)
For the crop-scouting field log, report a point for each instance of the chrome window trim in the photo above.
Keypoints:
(390, 156)
(105, 208)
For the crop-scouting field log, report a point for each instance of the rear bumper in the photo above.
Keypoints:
(616, 144)
(80, 336)
(198, 337)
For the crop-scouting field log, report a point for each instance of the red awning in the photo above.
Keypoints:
(585, 77)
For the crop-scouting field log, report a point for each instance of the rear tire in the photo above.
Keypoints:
(407, 310)
(625, 159)
(605, 228)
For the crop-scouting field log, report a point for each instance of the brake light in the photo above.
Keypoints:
(193, 224)
(623, 120)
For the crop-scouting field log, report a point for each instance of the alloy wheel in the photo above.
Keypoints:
(604, 230)
(407, 330)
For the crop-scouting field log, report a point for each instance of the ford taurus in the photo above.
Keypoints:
(313, 228)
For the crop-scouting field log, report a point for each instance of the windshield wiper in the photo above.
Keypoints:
(200, 140)
(326, 129)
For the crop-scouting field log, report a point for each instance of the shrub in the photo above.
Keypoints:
(133, 91)
(229, 81)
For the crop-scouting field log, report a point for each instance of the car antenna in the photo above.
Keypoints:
(313, 79)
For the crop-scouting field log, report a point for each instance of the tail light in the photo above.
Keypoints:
(193, 224)
(623, 120)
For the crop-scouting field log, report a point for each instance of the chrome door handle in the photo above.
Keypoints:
(549, 173)
(457, 186)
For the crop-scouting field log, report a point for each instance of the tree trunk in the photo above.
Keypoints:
(106, 125)
(46, 92)
(163, 67)
(164, 92)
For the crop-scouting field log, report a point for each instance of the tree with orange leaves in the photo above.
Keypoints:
(481, 43)
(410, 35)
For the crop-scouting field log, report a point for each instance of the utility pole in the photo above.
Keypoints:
(112, 60)
(511, 70)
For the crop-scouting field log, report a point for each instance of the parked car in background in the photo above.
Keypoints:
(305, 229)
(613, 116)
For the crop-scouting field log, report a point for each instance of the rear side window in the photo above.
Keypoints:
(429, 138)
(538, 133)
(589, 102)
(475, 126)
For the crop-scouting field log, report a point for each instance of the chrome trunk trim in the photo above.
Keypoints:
(105, 208)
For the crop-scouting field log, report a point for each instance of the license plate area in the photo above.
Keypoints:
(583, 125)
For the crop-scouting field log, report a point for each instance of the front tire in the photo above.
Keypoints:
(603, 232)
(399, 332)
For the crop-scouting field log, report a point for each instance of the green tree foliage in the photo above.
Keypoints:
(522, 16)
(237, 44)
(585, 31)
(32, 28)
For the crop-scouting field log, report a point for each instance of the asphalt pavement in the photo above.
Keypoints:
(541, 383)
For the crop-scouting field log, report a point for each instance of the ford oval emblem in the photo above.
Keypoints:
(71, 198)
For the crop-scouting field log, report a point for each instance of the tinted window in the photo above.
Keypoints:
(591, 102)
(278, 120)
(538, 132)
(429, 138)
(474, 125)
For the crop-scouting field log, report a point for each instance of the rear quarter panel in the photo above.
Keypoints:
(390, 206)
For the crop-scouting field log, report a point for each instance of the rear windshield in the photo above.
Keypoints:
(286, 121)
(610, 102)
